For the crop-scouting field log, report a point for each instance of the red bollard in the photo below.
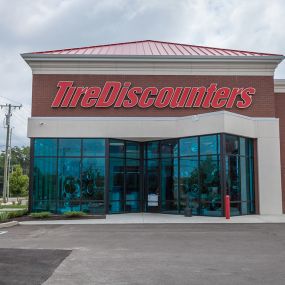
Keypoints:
(227, 207)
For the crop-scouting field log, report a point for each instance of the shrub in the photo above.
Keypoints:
(74, 214)
(40, 215)
(19, 213)
(4, 216)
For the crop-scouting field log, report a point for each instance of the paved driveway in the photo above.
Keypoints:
(158, 254)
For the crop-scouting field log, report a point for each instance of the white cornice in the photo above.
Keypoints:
(162, 65)
(279, 85)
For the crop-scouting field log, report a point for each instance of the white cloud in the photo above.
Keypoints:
(256, 25)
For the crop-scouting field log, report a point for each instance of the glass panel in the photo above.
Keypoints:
(93, 147)
(153, 150)
(169, 185)
(116, 194)
(117, 148)
(250, 147)
(189, 184)
(153, 183)
(45, 147)
(69, 147)
(210, 181)
(208, 145)
(132, 185)
(44, 184)
(93, 182)
(189, 146)
(235, 209)
(69, 184)
(132, 150)
(213, 209)
(232, 178)
(169, 148)
(231, 144)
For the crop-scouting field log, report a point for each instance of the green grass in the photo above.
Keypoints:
(74, 214)
(4, 216)
(40, 215)
(16, 206)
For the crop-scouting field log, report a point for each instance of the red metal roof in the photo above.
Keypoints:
(153, 48)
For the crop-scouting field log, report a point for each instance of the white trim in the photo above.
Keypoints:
(199, 65)
(279, 85)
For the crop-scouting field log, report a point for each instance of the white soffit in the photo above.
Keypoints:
(153, 65)
(279, 85)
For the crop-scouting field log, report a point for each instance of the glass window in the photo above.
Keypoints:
(132, 185)
(210, 180)
(153, 182)
(169, 148)
(69, 184)
(44, 184)
(93, 147)
(189, 184)
(242, 146)
(116, 194)
(189, 146)
(208, 145)
(117, 148)
(132, 150)
(232, 177)
(152, 150)
(169, 185)
(69, 147)
(231, 144)
(45, 147)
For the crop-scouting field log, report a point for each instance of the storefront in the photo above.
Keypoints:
(152, 126)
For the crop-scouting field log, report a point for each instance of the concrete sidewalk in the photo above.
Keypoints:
(149, 218)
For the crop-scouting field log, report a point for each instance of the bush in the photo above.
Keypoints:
(4, 216)
(15, 214)
(74, 214)
(40, 215)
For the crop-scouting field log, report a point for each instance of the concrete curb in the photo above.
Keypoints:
(9, 224)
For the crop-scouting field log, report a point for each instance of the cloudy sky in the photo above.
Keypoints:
(26, 25)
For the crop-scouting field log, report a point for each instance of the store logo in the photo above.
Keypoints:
(117, 95)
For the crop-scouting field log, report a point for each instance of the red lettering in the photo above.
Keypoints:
(79, 91)
(231, 100)
(201, 93)
(220, 98)
(122, 94)
(246, 96)
(90, 98)
(144, 101)
(175, 97)
(163, 98)
(63, 85)
(133, 97)
(68, 97)
(109, 94)
(210, 92)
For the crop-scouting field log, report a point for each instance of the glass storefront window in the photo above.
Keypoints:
(152, 150)
(169, 148)
(93, 147)
(69, 186)
(45, 147)
(208, 145)
(69, 147)
(232, 144)
(188, 146)
(132, 150)
(117, 148)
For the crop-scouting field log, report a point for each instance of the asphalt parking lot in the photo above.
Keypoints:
(148, 254)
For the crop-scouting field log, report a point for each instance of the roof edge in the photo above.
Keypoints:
(279, 85)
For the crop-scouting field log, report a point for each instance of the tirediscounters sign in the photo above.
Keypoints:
(117, 95)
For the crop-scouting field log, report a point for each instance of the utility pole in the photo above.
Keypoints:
(9, 162)
(6, 170)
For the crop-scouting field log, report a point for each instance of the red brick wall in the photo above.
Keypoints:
(45, 88)
(280, 113)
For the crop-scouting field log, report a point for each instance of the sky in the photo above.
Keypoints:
(26, 26)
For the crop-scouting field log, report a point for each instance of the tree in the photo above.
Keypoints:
(18, 182)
